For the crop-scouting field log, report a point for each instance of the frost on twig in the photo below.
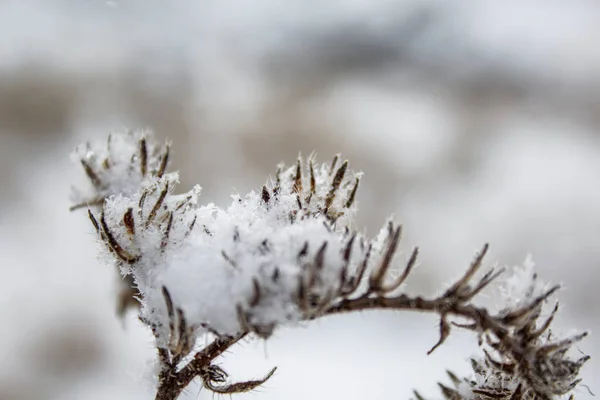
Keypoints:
(522, 359)
(124, 164)
(288, 253)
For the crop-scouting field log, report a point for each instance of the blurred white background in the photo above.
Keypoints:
(473, 122)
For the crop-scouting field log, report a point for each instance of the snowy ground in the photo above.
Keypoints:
(472, 123)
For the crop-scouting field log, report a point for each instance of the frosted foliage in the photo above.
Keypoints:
(539, 363)
(208, 286)
(522, 286)
(123, 164)
(319, 178)
(490, 378)
(287, 253)
(138, 226)
(219, 264)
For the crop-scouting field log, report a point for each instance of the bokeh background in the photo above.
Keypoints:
(472, 121)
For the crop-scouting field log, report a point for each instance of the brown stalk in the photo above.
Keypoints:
(89, 171)
(159, 202)
(163, 162)
(335, 185)
(377, 278)
(350, 200)
(143, 157)
(110, 240)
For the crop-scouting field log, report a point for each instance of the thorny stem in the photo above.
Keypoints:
(480, 317)
(173, 382)
(515, 331)
(454, 302)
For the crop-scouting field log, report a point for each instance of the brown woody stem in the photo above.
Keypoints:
(172, 382)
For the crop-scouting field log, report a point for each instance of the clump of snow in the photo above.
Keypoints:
(226, 270)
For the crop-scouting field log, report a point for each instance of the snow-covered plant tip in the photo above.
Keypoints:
(284, 254)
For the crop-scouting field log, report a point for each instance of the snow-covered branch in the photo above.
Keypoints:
(288, 253)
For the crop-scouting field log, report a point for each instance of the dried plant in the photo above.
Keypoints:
(123, 166)
(288, 253)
